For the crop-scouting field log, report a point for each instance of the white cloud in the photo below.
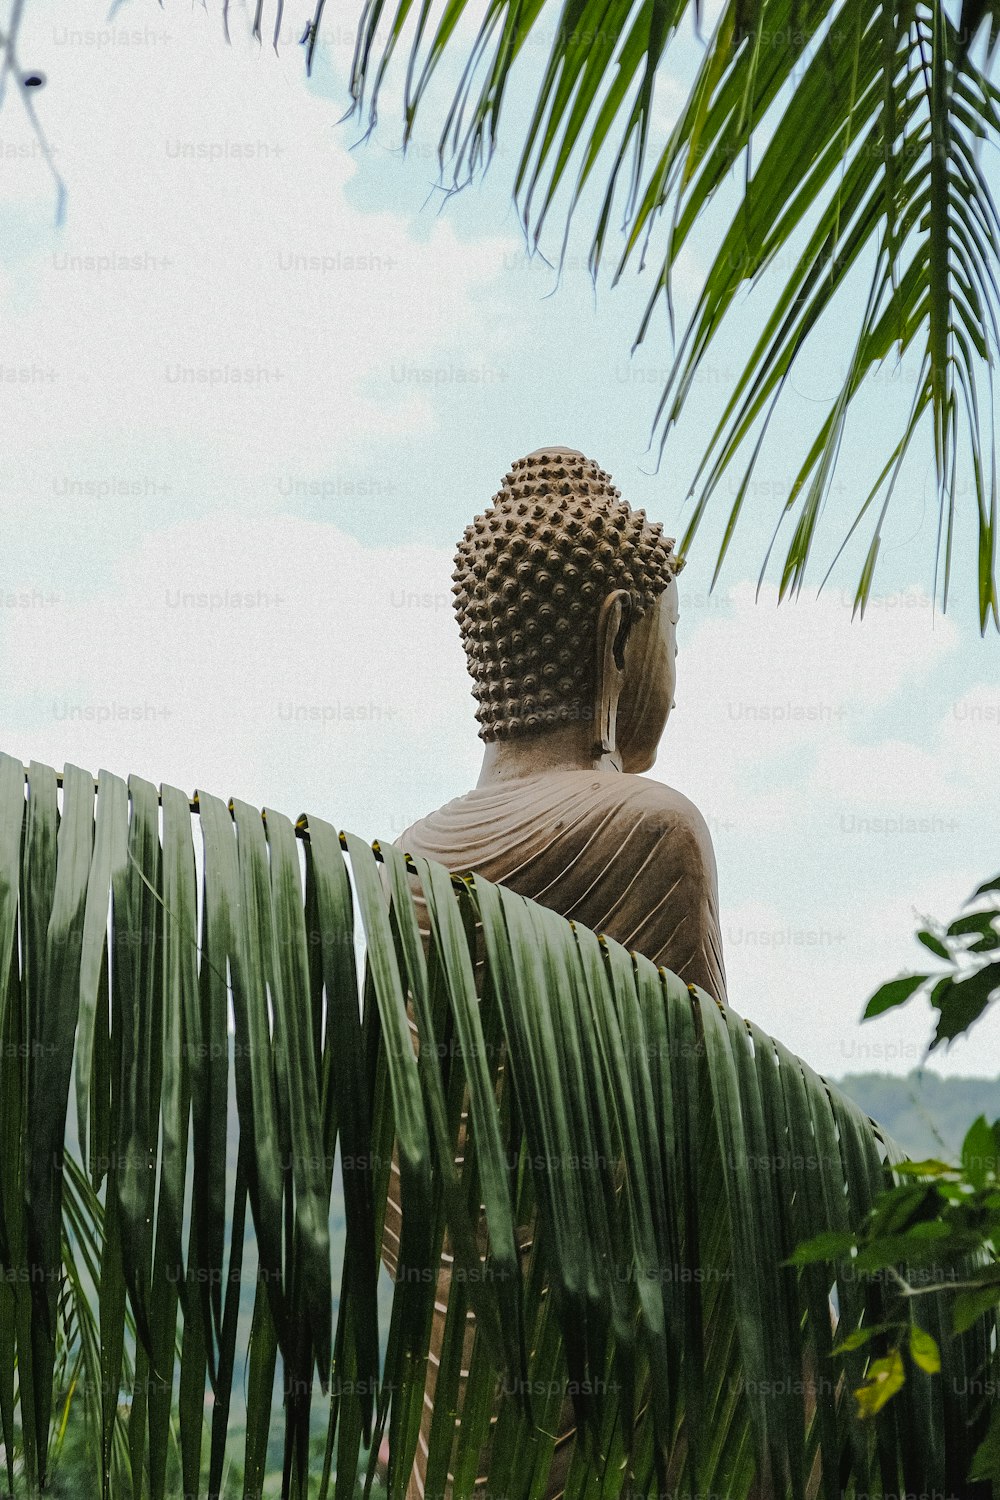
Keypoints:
(892, 775)
(970, 731)
(280, 660)
(766, 692)
(213, 277)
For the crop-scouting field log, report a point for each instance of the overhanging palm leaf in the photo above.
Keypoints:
(896, 173)
(668, 1155)
(872, 117)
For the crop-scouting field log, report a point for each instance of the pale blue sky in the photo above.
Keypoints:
(847, 770)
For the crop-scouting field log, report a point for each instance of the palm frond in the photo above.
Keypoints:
(897, 176)
(861, 124)
(664, 1156)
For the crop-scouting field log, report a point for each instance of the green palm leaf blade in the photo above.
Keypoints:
(455, 986)
(140, 1106)
(53, 1036)
(36, 1332)
(743, 1218)
(532, 1041)
(297, 1062)
(646, 1129)
(11, 828)
(8, 1307)
(446, 976)
(178, 949)
(12, 813)
(345, 1086)
(479, 1400)
(620, 1142)
(227, 1339)
(191, 1384)
(251, 963)
(765, 1134)
(110, 857)
(588, 1165)
(447, 1386)
(112, 1292)
(479, 1426)
(307, 1284)
(263, 1361)
(785, 1095)
(512, 966)
(866, 1174)
(460, 987)
(209, 1026)
(140, 1022)
(346, 1105)
(676, 1070)
(83, 1247)
(413, 1301)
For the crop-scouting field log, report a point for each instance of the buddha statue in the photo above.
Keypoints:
(567, 606)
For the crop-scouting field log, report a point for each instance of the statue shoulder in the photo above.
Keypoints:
(655, 799)
(525, 817)
(664, 810)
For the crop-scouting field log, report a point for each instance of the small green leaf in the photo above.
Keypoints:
(885, 1377)
(896, 992)
(980, 922)
(930, 1229)
(979, 1153)
(929, 1168)
(830, 1245)
(916, 1244)
(962, 1001)
(971, 1305)
(934, 943)
(986, 1462)
(859, 1338)
(924, 1350)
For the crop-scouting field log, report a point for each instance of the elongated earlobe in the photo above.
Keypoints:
(613, 625)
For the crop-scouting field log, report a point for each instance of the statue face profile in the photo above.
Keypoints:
(650, 679)
(567, 604)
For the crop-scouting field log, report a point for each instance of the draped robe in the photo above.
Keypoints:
(624, 855)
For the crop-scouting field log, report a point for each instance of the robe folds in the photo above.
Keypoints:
(624, 855)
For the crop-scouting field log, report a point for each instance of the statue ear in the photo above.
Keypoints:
(614, 624)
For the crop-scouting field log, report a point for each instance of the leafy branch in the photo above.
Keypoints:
(969, 948)
(936, 1232)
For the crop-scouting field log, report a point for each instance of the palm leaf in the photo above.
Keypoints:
(617, 1169)
(861, 124)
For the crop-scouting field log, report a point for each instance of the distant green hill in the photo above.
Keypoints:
(927, 1114)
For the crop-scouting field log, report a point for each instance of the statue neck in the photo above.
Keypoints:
(569, 747)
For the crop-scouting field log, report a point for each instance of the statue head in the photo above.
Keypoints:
(567, 601)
